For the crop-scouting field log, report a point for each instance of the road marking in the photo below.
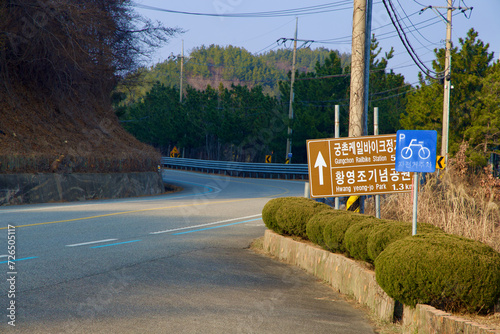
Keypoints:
(214, 227)
(160, 208)
(118, 243)
(17, 260)
(202, 225)
(90, 243)
(3, 256)
(128, 212)
(160, 197)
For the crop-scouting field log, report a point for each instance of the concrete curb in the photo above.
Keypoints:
(44, 188)
(428, 320)
(350, 278)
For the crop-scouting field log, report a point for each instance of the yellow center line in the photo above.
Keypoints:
(141, 210)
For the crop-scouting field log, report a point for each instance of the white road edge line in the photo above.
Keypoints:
(3, 256)
(203, 225)
(90, 243)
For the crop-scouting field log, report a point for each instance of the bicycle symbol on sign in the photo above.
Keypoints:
(423, 152)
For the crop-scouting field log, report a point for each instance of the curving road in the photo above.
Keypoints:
(176, 263)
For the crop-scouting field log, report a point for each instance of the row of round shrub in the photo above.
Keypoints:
(445, 271)
(289, 215)
(359, 236)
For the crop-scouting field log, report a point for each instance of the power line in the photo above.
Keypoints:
(404, 39)
(380, 37)
(415, 28)
(332, 102)
(268, 48)
(318, 9)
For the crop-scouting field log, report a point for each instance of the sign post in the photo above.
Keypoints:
(350, 166)
(416, 152)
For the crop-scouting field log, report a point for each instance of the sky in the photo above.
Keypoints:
(329, 24)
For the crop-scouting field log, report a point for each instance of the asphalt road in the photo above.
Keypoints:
(176, 263)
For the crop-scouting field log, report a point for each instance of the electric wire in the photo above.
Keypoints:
(415, 28)
(405, 42)
(268, 48)
(317, 9)
(406, 38)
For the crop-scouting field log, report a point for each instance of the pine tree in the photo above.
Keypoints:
(470, 65)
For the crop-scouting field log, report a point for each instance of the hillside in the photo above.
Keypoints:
(58, 66)
(227, 65)
(83, 134)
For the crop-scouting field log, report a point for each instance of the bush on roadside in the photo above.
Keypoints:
(316, 225)
(336, 227)
(295, 212)
(356, 238)
(269, 213)
(445, 271)
(382, 235)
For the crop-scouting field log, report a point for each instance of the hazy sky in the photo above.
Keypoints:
(330, 26)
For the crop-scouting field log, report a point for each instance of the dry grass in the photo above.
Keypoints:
(458, 200)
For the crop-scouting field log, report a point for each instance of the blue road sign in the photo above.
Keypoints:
(416, 151)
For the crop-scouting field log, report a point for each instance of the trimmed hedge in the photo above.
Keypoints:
(445, 271)
(269, 213)
(295, 212)
(382, 235)
(316, 225)
(356, 238)
(335, 229)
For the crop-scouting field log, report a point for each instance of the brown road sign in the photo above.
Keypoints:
(354, 166)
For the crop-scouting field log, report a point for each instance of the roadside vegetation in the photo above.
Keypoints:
(228, 85)
(235, 105)
(59, 62)
(449, 272)
(462, 200)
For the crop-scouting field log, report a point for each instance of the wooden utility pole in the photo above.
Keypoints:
(360, 71)
(357, 99)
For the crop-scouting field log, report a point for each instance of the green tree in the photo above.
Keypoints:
(316, 94)
(157, 120)
(484, 133)
(470, 65)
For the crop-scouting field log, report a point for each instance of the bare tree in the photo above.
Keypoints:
(73, 46)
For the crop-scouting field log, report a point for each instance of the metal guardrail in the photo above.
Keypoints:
(241, 169)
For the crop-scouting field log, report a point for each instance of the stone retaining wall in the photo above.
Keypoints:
(351, 278)
(44, 188)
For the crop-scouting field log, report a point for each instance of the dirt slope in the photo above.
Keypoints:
(41, 134)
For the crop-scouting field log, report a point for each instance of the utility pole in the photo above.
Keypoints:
(447, 71)
(368, 43)
(357, 98)
(360, 71)
(292, 82)
(182, 72)
(447, 85)
(290, 110)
